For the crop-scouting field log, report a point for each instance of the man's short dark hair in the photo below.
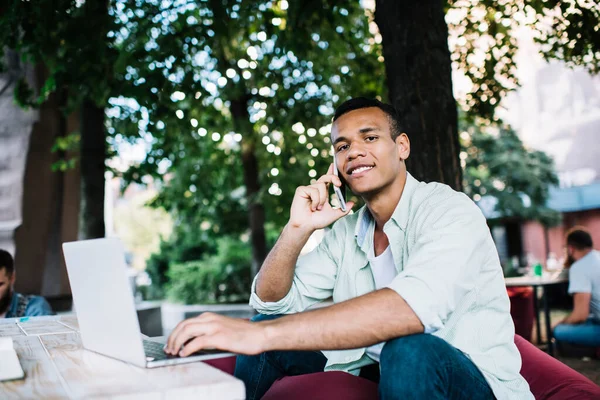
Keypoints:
(6, 261)
(362, 102)
(579, 238)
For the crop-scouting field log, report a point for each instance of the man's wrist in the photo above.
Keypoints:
(298, 233)
(270, 335)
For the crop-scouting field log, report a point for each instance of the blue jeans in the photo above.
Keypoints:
(419, 366)
(585, 334)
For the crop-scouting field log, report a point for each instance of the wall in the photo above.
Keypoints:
(533, 233)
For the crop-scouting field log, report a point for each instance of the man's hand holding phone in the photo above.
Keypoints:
(311, 209)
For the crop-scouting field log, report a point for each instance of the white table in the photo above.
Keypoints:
(535, 282)
(57, 367)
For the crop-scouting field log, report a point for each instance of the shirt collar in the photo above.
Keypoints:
(399, 216)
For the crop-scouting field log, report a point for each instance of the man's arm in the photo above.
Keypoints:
(581, 309)
(372, 318)
(310, 211)
(277, 272)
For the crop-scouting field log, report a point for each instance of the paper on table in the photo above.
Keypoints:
(10, 368)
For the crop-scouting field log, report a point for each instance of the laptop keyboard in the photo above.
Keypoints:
(155, 350)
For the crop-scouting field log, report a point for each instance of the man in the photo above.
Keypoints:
(16, 305)
(582, 325)
(415, 276)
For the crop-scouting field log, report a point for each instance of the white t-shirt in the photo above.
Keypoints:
(384, 272)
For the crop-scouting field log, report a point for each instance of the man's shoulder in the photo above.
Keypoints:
(34, 299)
(37, 305)
(588, 264)
(440, 199)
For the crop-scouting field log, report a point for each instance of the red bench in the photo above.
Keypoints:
(548, 379)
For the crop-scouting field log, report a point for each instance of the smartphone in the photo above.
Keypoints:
(340, 192)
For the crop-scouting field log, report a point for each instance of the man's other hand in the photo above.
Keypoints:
(311, 209)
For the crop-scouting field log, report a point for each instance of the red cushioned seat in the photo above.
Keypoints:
(521, 310)
(548, 378)
(323, 386)
(226, 364)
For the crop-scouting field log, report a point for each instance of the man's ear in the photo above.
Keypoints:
(403, 146)
(13, 278)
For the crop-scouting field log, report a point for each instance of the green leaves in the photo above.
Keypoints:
(497, 165)
(223, 277)
(483, 42)
(69, 40)
(67, 143)
(209, 92)
(63, 146)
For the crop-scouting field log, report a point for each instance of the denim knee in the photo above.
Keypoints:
(410, 348)
(244, 364)
(558, 332)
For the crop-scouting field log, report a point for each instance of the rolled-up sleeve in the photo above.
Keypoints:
(444, 262)
(314, 279)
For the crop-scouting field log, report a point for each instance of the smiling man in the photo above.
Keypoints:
(420, 302)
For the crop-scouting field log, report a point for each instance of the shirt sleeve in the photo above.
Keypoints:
(578, 280)
(313, 282)
(38, 306)
(444, 263)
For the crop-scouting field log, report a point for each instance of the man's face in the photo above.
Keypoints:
(6, 284)
(366, 156)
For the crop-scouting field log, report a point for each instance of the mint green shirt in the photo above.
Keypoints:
(448, 271)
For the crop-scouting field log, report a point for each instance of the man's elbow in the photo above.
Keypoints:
(578, 317)
(270, 298)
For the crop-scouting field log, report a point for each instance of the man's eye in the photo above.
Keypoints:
(342, 147)
(371, 138)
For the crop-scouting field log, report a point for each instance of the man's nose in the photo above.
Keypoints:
(355, 150)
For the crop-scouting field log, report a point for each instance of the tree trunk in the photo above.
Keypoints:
(50, 203)
(256, 211)
(418, 69)
(93, 157)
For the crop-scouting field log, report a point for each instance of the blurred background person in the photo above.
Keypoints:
(16, 305)
(582, 325)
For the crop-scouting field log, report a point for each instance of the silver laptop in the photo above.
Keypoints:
(105, 306)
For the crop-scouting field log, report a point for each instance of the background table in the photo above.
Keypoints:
(56, 366)
(535, 282)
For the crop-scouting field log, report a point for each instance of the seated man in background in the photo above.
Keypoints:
(16, 305)
(582, 325)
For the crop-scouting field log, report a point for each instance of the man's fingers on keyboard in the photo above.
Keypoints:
(204, 342)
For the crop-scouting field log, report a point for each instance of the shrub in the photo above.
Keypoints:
(223, 277)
